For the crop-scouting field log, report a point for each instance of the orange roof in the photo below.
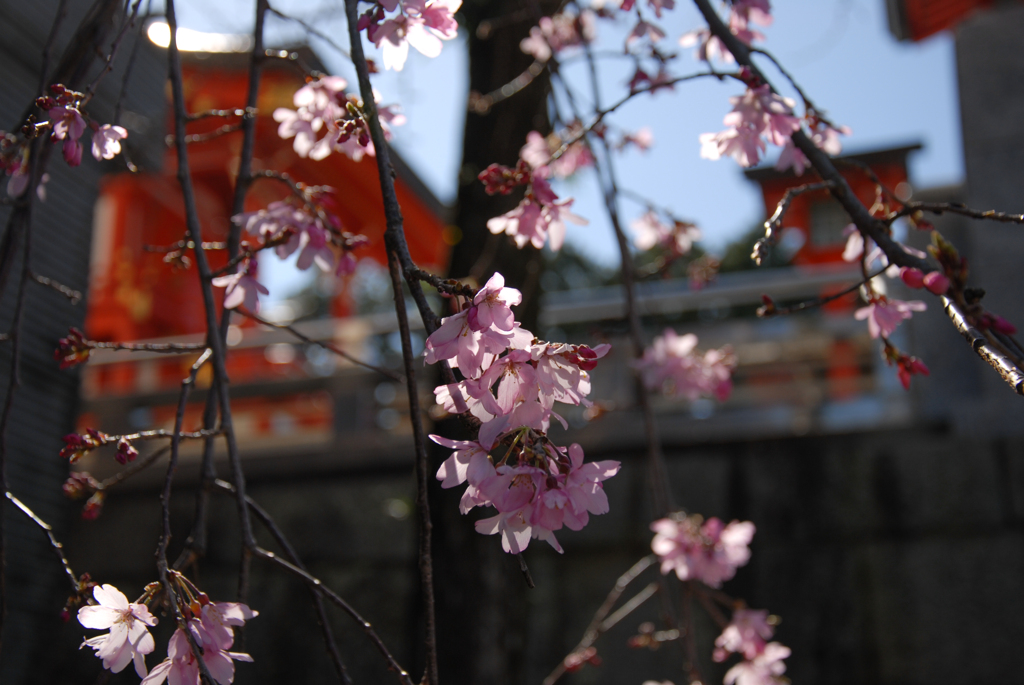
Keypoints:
(135, 295)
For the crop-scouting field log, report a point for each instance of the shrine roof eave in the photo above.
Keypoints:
(892, 155)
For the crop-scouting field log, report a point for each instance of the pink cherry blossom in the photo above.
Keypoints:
(538, 150)
(455, 339)
(559, 32)
(468, 462)
(491, 305)
(649, 230)
(423, 24)
(659, 5)
(128, 639)
(673, 365)
(644, 29)
(180, 666)
(642, 138)
(569, 497)
(220, 618)
(323, 105)
(67, 123)
(709, 552)
(106, 141)
(884, 314)
(759, 115)
(242, 288)
(536, 223)
(746, 634)
(763, 669)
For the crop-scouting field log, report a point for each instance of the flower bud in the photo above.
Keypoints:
(914, 278)
(936, 282)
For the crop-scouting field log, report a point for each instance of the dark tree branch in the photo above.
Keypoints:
(336, 599)
(214, 338)
(318, 604)
(73, 295)
(399, 260)
(327, 346)
(951, 208)
(774, 222)
(597, 623)
(58, 548)
(658, 474)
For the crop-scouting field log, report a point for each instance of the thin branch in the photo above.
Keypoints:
(133, 468)
(73, 296)
(205, 137)
(164, 348)
(165, 495)
(481, 104)
(629, 607)
(58, 548)
(267, 520)
(689, 639)
(115, 46)
(657, 471)
(1006, 369)
(336, 599)
(769, 311)
(774, 222)
(327, 346)
(44, 67)
(214, 339)
(205, 114)
(954, 208)
(127, 76)
(595, 629)
(602, 113)
(311, 31)
(399, 260)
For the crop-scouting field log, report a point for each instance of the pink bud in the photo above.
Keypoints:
(914, 278)
(918, 366)
(904, 377)
(1002, 325)
(936, 282)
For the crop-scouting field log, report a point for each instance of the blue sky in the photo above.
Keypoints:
(840, 51)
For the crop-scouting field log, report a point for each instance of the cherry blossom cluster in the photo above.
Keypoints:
(743, 13)
(323, 104)
(540, 216)
(747, 635)
(650, 231)
(66, 124)
(709, 551)
(558, 32)
(512, 382)
(423, 24)
(758, 116)
(674, 366)
(308, 228)
(211, 625)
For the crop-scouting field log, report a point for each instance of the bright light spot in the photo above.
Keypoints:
(234, 335)
(397, 509)
(280, 353)
(198, 41)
